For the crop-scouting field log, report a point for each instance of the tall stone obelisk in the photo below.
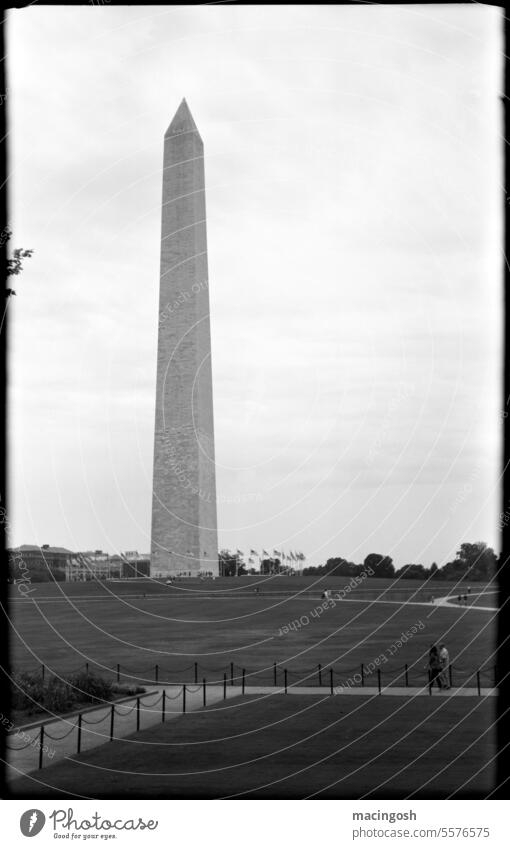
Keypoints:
(184, 526)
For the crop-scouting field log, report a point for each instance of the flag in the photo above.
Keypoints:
(253, 552)
(240, 553)
(251, 560)
(265, 552)
(276, 552)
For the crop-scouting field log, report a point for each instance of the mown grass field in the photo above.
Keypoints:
(291, 747)
(370, 587)
(143, 624)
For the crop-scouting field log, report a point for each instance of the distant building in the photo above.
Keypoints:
(43, 559)
(92, 566)
(136, 565)
(101, 566)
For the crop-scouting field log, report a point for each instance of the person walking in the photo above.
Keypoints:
(444, 658)
(434, 668)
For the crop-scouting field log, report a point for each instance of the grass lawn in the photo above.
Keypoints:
(174, 631)
(487, 599)
(291, 747)
(370, 588)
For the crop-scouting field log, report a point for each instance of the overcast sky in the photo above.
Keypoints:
(353, 177)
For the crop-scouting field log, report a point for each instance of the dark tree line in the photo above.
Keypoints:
(473, 562)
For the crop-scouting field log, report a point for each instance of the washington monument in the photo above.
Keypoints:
(184, 526)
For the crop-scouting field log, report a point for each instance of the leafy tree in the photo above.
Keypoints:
(14, 263)
(230, 564)
(413, 571)
(340, 566)
(478, 561)
(271, 565)
(382, 565)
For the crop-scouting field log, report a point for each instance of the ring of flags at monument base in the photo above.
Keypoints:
(295, 556)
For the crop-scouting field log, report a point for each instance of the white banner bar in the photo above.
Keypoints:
(216, 824)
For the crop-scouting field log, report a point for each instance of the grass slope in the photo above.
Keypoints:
(174, 632)
(291, 747)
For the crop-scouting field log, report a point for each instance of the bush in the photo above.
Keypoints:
(128, 689)
(31, 694)
(88, 687)
(26, 688)
(58, 696)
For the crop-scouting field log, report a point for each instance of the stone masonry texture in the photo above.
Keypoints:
(184, 526)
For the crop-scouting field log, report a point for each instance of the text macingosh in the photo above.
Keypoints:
(65, 819)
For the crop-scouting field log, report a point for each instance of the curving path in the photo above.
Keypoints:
(446, 601)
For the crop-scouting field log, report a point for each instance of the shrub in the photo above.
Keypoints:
(88, 687)
(58, 696)
(27, 689)
(30, 693)
(128, 689)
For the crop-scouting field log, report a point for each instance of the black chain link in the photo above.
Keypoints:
(63, 736)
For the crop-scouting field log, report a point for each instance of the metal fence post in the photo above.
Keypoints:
(163, 705)
(379, 680)
(156, 673)
(112, 718)
(41, 743)
(196, 672)
(118, 673)
(231, 674)
(79, 735)
(224, 685)
(285, 678)
(86, 669)
(42, 672)
(203, 688)
(184, 698)
(274, 674)
(319, 670)
(138, 713)
(450, 675)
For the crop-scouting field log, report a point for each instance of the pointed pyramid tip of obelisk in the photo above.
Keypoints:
(182, 122)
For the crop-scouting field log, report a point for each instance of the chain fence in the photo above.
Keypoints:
(276, 677)
(405, 675)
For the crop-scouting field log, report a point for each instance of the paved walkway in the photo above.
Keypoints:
(445, 601)
(23, 758)
(374, 691)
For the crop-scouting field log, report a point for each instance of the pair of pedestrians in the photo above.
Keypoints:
(439, 663)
